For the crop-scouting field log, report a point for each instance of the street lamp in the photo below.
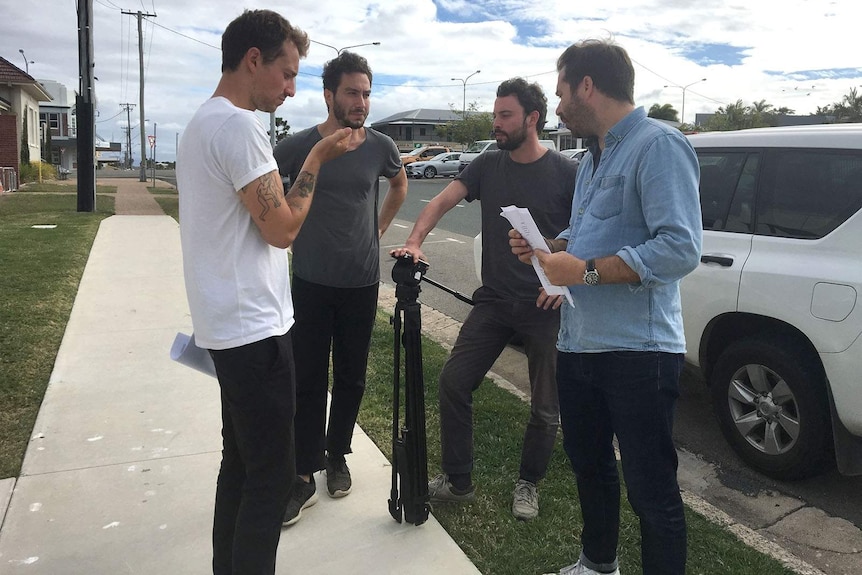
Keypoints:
(26, 62)
(464, 97)
(684, 88)
(338, 51)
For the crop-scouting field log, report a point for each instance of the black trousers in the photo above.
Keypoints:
(340, 320)
(257, 468)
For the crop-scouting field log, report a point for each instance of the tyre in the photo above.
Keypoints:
(429, 172)
(771, 403)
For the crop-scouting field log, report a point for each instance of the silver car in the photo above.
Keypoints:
(445, 164)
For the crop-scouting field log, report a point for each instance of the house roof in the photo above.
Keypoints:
(420, 116)
(11, 74)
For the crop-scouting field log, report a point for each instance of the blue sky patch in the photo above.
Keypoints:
(824, 74)
(708, 54)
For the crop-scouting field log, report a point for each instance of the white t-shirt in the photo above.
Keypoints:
(237, 285)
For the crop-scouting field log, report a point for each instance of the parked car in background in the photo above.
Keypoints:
(574, 153)
(445, 164)
(423, 153)
(480, 146)
(773, 314)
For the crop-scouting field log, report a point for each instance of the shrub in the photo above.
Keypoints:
(30, 172)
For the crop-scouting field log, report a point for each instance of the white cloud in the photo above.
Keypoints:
(420, 53)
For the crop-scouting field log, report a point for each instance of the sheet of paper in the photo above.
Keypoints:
(523, 222)
(185, 351)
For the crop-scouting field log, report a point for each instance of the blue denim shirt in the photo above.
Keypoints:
(641, 203)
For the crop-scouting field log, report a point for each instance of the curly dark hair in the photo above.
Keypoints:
(262, 29)
(530, 96)
(345, 63)
(607, 63)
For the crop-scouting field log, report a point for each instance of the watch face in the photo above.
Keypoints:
(591, 277)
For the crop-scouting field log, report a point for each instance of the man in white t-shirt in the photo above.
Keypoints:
(236, 222)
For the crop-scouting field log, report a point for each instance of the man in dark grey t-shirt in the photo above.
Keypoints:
(336, 275)
(522, 173)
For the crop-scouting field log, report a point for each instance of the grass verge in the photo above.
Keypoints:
(41, 271)
(494, 540)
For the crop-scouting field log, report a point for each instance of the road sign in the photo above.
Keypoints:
(152, 140)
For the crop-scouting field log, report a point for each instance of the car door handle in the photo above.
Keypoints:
(723, 261)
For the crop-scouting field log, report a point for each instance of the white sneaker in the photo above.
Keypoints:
(525, 500)
(579, 569)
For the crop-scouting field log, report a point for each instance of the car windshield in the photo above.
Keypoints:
(439, 157)
(476, 147)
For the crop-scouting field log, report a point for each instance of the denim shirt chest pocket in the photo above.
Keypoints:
(607, 197)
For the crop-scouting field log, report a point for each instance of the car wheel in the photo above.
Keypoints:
(770, 399)
(429, 172)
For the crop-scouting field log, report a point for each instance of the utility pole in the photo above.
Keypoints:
(128, 161)
(84, 110)
(140, 15)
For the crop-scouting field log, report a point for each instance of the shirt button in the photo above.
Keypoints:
(581, 211)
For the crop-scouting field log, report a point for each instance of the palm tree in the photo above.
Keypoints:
(663, 112)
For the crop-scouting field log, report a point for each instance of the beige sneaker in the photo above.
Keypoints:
(525, 501)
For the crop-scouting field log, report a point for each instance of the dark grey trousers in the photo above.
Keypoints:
(486, 331)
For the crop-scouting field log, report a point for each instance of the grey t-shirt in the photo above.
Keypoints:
(545, 187)
(337, 245)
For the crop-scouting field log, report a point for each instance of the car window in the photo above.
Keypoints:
(808, 193)
(719, 174)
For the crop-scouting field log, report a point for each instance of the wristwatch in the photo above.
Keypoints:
(591, 274)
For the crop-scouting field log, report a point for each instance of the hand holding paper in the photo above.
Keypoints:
(523, 222)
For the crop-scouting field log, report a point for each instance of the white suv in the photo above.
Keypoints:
(773, 315)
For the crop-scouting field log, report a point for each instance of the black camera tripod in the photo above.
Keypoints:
(409, 451)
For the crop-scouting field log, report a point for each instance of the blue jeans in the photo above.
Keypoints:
(257, 467)
(631, 395)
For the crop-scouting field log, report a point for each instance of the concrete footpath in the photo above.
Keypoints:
(119, 476)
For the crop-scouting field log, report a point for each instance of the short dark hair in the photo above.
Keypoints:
(262, 29)
(530, 96)
(605, 62)
(345, 63)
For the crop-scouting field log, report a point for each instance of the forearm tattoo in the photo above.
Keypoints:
(268, 193)
(302, 188)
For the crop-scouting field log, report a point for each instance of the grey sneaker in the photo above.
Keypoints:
(580, 569)
(525, 500)
(338, 482)
(440, 490)
(303, 496)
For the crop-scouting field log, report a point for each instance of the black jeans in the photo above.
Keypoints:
(486, 331)
(343, 319)
(257, 467)
(631, 395)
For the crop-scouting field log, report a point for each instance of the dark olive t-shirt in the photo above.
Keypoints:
(545, 187)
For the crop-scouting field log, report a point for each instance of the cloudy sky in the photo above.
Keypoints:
(793, 53)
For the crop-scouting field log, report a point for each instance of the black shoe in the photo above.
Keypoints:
(338, 481)
(304, 495)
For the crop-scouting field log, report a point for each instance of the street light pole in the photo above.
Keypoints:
(338, 51)
(26, 61)
(684, 88)
(464, 96)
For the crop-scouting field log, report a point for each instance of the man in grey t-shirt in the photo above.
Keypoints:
(524, 173)
(336, 276)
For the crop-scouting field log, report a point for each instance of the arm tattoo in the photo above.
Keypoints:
(267, 192)
(302, 188)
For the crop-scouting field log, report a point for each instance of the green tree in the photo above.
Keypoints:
(849, 109)
(474, 125)
(663, 112)
(25, 146)
(282, 129)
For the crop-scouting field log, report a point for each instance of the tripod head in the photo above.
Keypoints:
(407, 275)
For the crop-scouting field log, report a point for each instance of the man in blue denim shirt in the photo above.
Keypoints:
(634, 233)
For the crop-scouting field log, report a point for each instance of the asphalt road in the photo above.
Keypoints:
(450, 252)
